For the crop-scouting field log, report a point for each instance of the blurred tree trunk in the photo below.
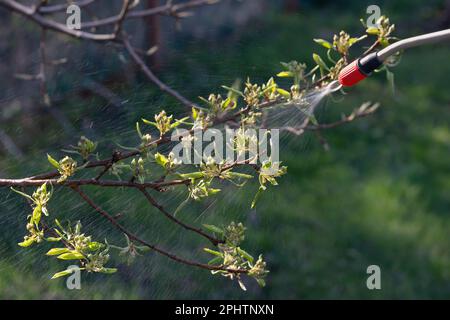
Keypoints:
(154, 36)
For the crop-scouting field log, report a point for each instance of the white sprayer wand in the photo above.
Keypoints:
(363, 67)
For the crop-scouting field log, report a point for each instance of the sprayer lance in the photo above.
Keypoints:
(363, 67)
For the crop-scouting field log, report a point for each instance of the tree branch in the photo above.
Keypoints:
(134, 237)
(199, 231)
(151, 76)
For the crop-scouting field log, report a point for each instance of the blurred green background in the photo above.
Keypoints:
(379, 196)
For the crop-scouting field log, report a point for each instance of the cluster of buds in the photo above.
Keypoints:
(163, 122)
(252, 94)
(383, 30)
(231, 257)
(244, 141)
(138, 169)
(131, 250)
(169, 163)
(86, 147)
(270, 90)
(201, 189)
(294, 69)
(38, 200)
(200, 120)
(234, 233)
(258, 271)
(343, 42)
(92, 255)
(211, 169)
(269, 171)
(66, 167)
(34, 235)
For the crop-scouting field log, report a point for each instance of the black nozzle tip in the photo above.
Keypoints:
(369, 63)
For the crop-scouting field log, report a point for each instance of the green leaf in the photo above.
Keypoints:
(53, 162)
(318, 60)
(62, 273)
(93, 246)
(178, 122)
(245, 254)
(138, 129)
(195, 113)
(233, 90)
(216, 260)
(192, 175)
(36, 215)
(352, 41)
(149, 122)
(284, 93)
(72, 255)
(323, 43)
(57, 251)
(109, 270)
(26, 243)
(213, 228)
(285, 74)
(373, 31)
(239, 175)
(22, 194)
(261, 282)
(53, 239)
(161, 159)
(241, 284)
(256, 197)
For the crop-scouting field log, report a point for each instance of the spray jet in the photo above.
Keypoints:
(363, 67)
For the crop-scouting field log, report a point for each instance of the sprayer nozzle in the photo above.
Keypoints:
(351, 75)
(359, 70)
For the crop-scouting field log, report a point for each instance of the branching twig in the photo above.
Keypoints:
(199, 231)
(134, 237)
(151, 76)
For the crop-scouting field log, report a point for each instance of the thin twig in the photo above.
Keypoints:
(134, 237)
(199, 231)
(151, 76)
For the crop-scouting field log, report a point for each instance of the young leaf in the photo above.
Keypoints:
(373, 31)
(161, 159)
(73, 255)
(245, 254)
(234, 90)
(149, 122)
(23, 194)
(57, 251)
(108, 270)
(284, 93)
(241, 284)
(62, 273)
(215, 260)
(213, 228)
(53, 239)
(53, 162)
(213, 252)
(318, 60)
(285, 74)
(26, 243)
